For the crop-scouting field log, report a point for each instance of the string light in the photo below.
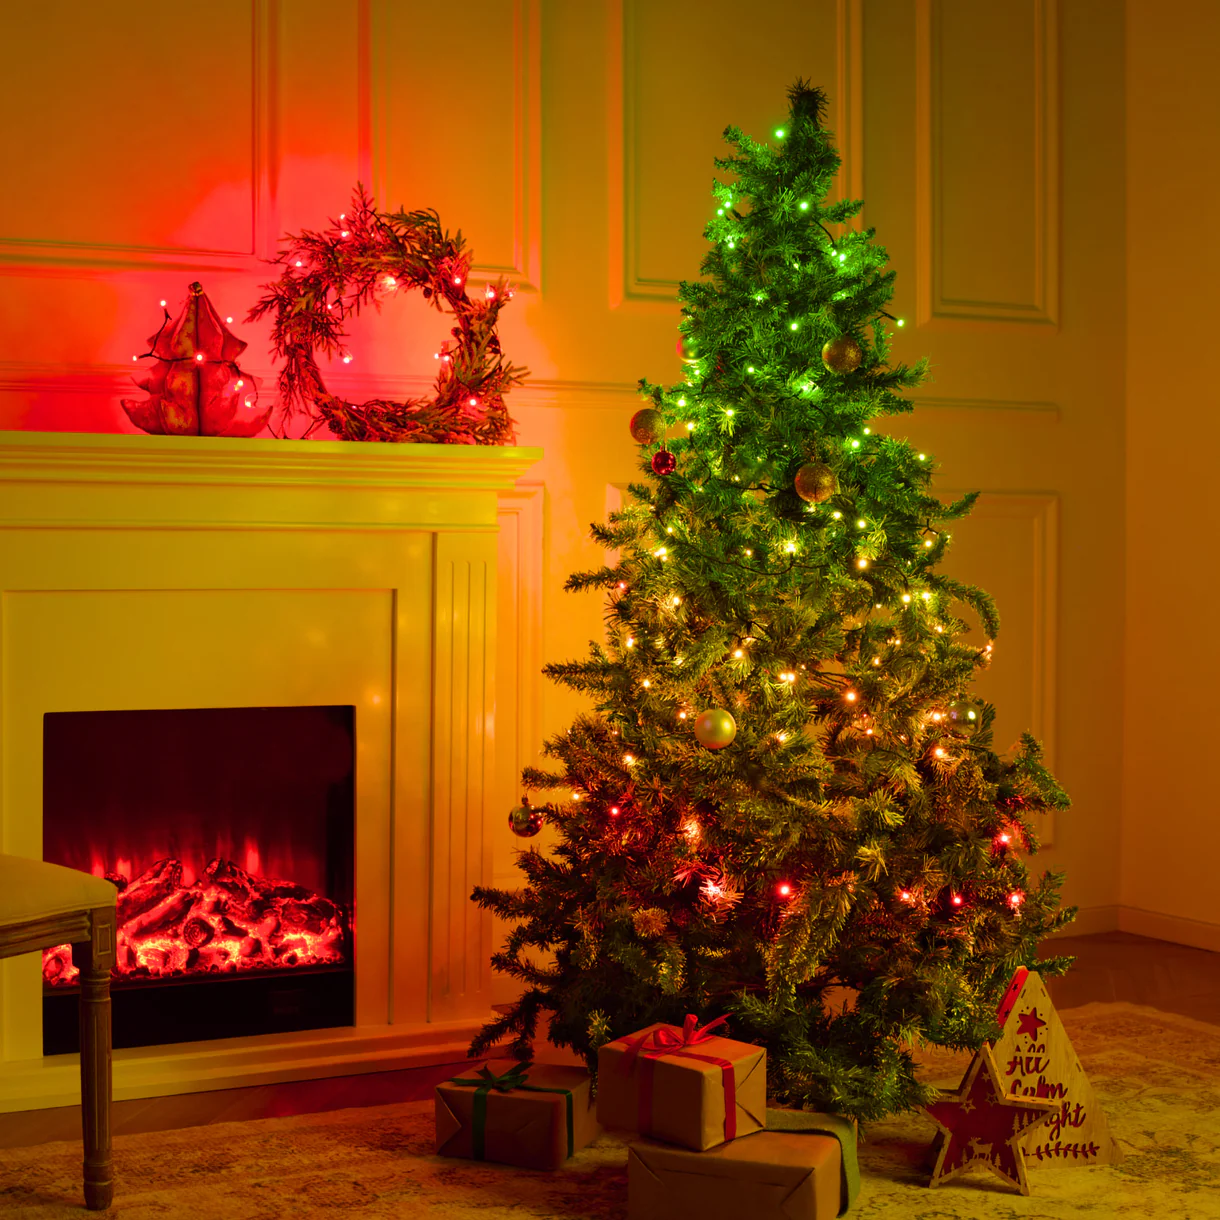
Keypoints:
(1015, 899)
(957, 900)
(737, 652)
(850, 696)
(646, 683)
(629, 759)
(614, 811)
(905, 895)
(784, 890)
(862, 563)
(631, 641)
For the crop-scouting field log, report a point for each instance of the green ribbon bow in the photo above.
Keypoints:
(484, 1081)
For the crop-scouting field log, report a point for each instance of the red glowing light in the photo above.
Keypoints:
(905, 895)
(230, 920)
(614, 811)
(1015, 899)
(957, 900)
(783, 889)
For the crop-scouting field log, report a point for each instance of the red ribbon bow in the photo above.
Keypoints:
(669, 1040)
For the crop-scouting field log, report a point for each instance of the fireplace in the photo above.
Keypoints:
(229, 833)
(150, 580)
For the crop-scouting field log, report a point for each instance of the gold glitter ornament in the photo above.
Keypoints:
(816, 482)
(715, 729)
(647, 425)
(842, 355)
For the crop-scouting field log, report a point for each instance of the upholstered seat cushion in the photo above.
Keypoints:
(31, 889)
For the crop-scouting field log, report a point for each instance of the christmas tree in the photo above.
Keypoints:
(784, 805)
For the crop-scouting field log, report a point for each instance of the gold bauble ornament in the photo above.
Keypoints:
(647, 425)
(688, 349)
(815, 482)
(842, 355)
(715, 728)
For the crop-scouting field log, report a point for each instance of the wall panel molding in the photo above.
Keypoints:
(27, 256)
(628, 281)
(376, 76)
(849, 99)
(935, 301)
(1041, 511)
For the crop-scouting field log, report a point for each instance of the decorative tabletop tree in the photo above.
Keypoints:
(784, 805)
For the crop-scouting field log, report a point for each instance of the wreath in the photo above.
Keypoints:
(329, 277)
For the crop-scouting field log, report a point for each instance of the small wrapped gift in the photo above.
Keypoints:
(529, 1114)
(806, 1174)
(685, 1085)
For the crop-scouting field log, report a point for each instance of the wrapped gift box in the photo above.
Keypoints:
(770, 1175)
(684, 1085)
(532, 1115)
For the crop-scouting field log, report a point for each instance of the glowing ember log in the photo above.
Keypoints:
(229, 920)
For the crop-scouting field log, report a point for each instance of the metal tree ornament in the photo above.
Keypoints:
(329, 277)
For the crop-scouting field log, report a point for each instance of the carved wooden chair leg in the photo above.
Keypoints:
(94, 958)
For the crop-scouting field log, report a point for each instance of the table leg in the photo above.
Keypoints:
(94, 959)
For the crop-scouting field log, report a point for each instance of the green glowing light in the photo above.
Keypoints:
(681, 402)
(732, 246)
(923, 457)
(855, 444)
(729, 410)
(749, 369)
(804, 205)
(779, 133)
(902, 321)
(868, 431)
(842, 258)
(861, 524)
(792, 325)
(720, 211)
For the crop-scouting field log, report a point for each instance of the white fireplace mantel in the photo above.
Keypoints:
(163, 572)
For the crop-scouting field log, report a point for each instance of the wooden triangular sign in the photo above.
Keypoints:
(1036, 1060)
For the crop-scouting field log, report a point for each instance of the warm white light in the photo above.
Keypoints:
(677, 601)
(646, 682)
(629, 759)
(791, 548)
(850, 696)
(927, 542)
(631, 641)
(228, 319)
(906, 597)
(299, 263)
(347, 359)
(861, 524)
(862, 564)
(163, 306)
(737, 652)
(199, 356)
(837, 515)
(240, 383)
(343, 234)
(939, 752)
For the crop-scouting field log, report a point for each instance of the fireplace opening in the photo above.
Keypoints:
(230, 835)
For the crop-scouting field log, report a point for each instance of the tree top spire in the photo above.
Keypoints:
(807, 101)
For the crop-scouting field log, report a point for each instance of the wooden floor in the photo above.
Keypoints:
(1109, 966)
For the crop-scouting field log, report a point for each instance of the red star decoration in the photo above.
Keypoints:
(983, 1127)
(1028, 1024)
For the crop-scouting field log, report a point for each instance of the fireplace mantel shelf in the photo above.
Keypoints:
(154, 572)
(395, 486)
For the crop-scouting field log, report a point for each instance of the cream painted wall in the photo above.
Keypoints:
(1171, 815)
(572, 143)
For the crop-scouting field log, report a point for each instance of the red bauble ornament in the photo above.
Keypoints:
(664, 462)
(647, 425)
(525, 821)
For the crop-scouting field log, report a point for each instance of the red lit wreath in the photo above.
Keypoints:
(328, 277)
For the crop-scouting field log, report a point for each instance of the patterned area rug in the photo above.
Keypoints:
(1158, 1077)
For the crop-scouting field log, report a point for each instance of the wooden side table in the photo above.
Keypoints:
(42, 905)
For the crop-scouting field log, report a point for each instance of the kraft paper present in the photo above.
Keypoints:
(770, 1175)
(533, 1115)
(673, 1084)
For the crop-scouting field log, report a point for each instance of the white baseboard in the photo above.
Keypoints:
(1091, 920)
(1114, 917)
(1174, 928)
